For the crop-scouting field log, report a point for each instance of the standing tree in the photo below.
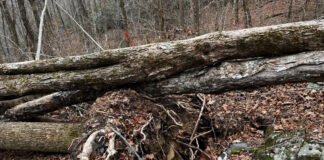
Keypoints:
(236, 11)
(30, 31)
(247, 15)
(161, 18)
(290, 8)
(195, 16)
(11, 22)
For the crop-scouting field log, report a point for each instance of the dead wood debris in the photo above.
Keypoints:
(232, 117)
(210, 123)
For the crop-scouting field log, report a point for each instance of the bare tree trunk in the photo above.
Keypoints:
(31, 33)
(305, 9)
(236, 12)
(224, 16)
(35, 12)
(161, 18)
(218, 7)
(93, 14)
(315, 13)
(182, 13)
(44, 137)
(195, 16)
(84, 15)
(8, 56)
(124, 14)
(260, 17)
(247, 15)
(11, 22)
(290, 8)
(223, 4)
(118, 67)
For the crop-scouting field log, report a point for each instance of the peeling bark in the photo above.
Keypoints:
(114, 68)
(303, 67)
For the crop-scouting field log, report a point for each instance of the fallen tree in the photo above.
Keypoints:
(215, 62)
(114, 68)
(234, 75)
(230, 75)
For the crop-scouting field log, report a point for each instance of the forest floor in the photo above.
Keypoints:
(290, 107)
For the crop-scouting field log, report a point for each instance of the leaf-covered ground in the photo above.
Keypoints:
(237, 116)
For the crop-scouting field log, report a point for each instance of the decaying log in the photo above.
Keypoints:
(261, 41)
(230, 75)
(118, 67)
(49, 103)
(6, 104)
(45, 137)
(302, 67)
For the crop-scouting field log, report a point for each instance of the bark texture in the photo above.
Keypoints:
(4, 105)
(48, 103)
(303, 67)
(260, 41)
(113, 68)
(44, 137)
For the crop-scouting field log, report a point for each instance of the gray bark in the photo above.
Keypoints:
(49, 103)
(6, 104)
(235, 75)
(114, 68)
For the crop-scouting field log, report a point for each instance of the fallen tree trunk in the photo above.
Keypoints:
(4, 105)
(302, 67)
(49, 103)
(118, 67)
(45, 137)
(230, 75)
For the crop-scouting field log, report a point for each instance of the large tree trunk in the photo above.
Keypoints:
(303, 67)
(230, 75)
(45, 137)
(113, 68)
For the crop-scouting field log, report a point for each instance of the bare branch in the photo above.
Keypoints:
(94, 41)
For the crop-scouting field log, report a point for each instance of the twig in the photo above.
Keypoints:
(142, 129)
(72, 143)
(41, 24)
(131, 148)
(111, 147)
(196, 125)
(199, 117)
(193, 147)
(168, 112)
(94, 41)
(202, 134)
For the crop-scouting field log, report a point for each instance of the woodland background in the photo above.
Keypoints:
(119, 23)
